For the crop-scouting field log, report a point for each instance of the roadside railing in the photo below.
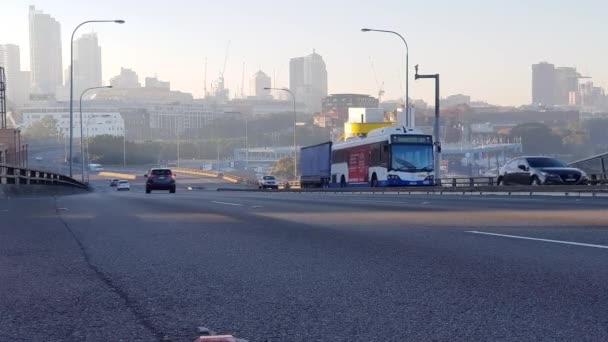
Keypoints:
(17, 175)
(468, 181)
(450, 182)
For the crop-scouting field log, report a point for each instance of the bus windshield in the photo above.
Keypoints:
(412, 158)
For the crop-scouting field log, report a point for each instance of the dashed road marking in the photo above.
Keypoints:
(226, 203)
(543, 240)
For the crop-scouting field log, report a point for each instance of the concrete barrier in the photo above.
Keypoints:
(14, 191)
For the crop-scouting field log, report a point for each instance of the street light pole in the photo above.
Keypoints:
(72, 79)
(246, 145)
(81, 129)
(408, 121)
(295, 124)
(437, 143)
(124, 145)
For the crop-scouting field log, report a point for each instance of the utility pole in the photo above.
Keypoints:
(437, 143)
(177, 133)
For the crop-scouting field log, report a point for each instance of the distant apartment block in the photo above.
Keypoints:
(96, 121)
(154, 82)
(455, 100)
(126, 79)
(338, 104)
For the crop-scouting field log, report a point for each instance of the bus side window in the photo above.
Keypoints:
(384, 155)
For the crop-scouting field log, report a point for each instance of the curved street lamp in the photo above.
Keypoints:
(407, 70)
(117, 21)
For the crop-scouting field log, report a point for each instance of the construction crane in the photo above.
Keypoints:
(205, 87)
(380, 86)
(243, 82)
(225, 63)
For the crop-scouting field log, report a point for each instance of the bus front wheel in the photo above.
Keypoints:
(374, 181)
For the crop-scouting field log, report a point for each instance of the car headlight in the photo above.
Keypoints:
(549, 175)
(583, 175)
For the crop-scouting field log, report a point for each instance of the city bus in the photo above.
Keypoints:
(389, 156)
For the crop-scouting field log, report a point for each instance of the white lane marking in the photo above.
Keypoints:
(374, 201)
(226, 203)
(537, 239)
(256, 206)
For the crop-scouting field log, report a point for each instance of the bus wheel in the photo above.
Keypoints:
(342, 182)
(374, 181)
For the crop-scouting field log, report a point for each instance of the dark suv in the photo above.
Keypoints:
(160, 179)
(540, 171)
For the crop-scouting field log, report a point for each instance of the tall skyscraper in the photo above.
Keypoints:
(566, 85)
(87, 63)
(258, 83)
(308, 80)
(45, 52)
(543, 84)
(17, 81)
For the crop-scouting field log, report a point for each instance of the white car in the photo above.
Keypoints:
(123, 185)
(268, 182)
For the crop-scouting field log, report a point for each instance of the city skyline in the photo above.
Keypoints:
(495, 67)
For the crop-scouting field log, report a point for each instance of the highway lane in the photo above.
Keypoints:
(302, 267)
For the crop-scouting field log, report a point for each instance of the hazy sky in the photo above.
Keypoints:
(483, 48)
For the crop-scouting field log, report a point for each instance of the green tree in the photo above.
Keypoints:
(283, 168)
(537, 138)
(44, 128)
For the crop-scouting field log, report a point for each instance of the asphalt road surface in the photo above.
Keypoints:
(267, 266)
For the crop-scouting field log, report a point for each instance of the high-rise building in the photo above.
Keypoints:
(566, 86)
(18, 82)
(308, 80)
(87, 63)
(543, 84)
(258, 83)
(45, 52)
(127, 79)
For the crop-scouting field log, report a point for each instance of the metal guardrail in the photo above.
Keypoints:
(594, 179)
(17, 175)
(451, 182)
(468, 181)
